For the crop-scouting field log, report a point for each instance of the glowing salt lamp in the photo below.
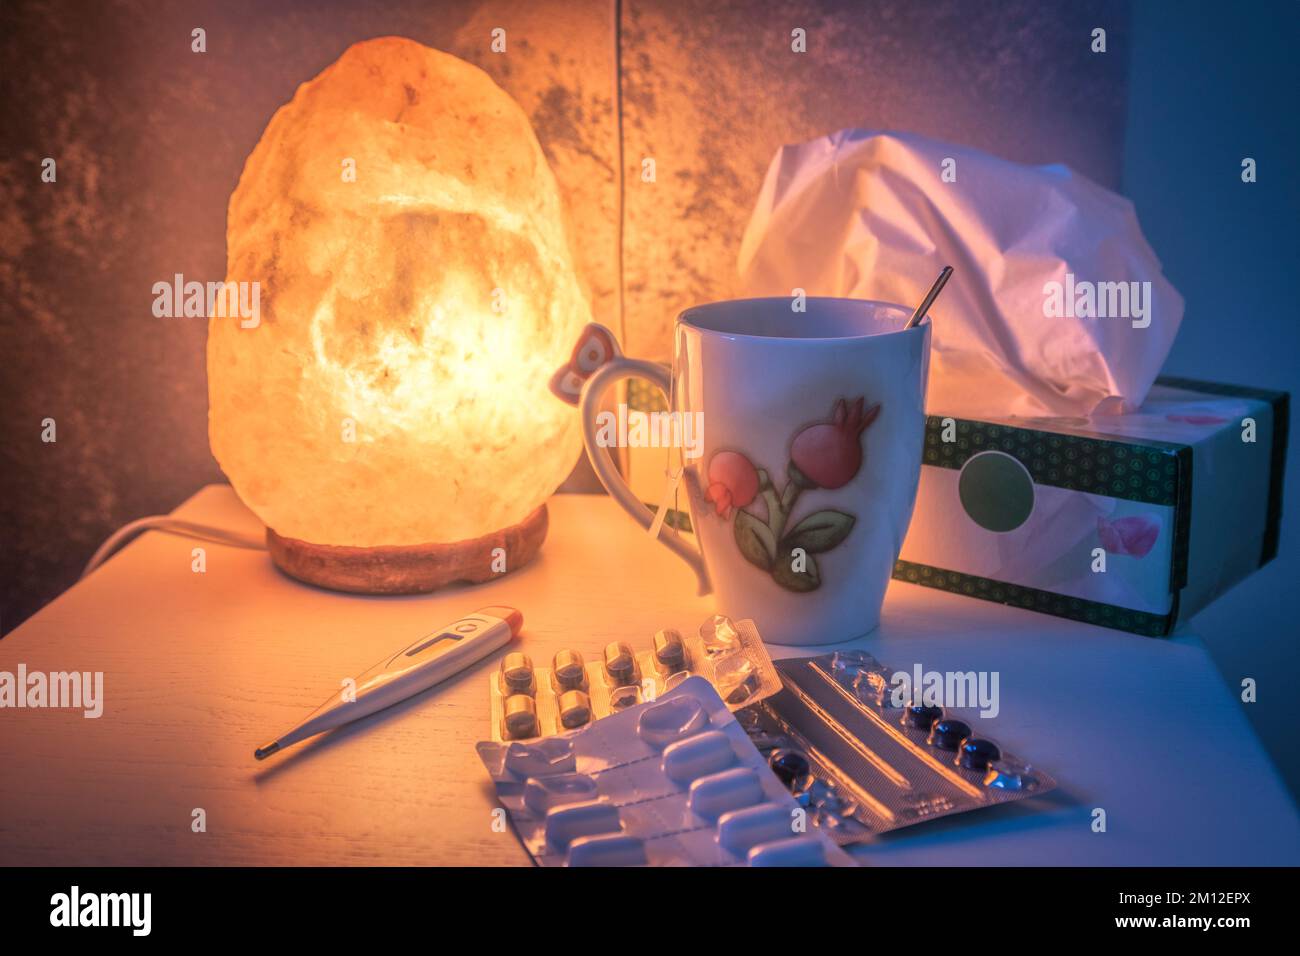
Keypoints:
(388, 417)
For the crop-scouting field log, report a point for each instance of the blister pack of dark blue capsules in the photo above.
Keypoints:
(863, 760)
(671, 782)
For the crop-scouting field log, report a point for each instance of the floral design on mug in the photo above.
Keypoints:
(824, 454)
(733, 482)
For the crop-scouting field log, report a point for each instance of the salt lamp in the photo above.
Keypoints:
(387, 417)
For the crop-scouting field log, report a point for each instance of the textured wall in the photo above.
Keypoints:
(713, 93)
(150, 139)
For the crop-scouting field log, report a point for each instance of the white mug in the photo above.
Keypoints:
(813, 425)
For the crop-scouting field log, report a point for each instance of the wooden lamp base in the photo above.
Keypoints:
(409, 569)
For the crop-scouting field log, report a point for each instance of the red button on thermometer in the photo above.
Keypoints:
(429, 660)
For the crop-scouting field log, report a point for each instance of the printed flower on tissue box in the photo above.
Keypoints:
(1130, 521)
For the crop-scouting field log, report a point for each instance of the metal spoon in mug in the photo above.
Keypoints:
(930, 296)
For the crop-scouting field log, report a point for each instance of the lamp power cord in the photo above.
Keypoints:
(170, 525)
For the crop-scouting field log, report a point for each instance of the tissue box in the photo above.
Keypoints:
(1133, 522)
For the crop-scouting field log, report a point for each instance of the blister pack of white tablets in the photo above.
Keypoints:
(670, 782)
(529, 702)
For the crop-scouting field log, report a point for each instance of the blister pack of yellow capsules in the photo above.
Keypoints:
(670, 782)
(528, 701)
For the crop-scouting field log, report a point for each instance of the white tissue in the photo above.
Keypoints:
(870, 215)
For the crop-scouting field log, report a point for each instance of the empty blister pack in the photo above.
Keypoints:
(863, 762)
(671, 782)
(529, 702)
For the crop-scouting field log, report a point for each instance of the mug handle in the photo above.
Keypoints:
(613, 371)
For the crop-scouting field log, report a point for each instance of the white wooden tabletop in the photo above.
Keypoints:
(200, 668)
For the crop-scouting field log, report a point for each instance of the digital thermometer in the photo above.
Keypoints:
(427, 661)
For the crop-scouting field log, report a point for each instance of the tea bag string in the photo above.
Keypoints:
(677, 434)
(675, 476)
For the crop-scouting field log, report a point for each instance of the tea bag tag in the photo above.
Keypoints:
(669, 496)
